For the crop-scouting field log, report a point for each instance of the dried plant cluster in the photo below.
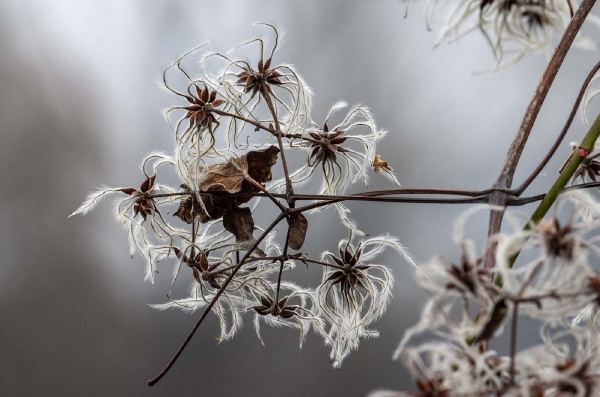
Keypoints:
(241, 266)
(238, 267)
(512, 28)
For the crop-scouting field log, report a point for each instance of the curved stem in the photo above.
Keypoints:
(162, 373)
(562, 134)
(265, 191)
(587, 144)
(259, 125)
(516, 149)
(321, 263)
(289, 189)
(420, 200)
(518, 144)
(281, 261)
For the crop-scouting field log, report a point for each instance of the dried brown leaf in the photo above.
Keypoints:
(228, 177)
(225, 176)
(239, 222)
(260, 163)
(298, 225)
(189, 209)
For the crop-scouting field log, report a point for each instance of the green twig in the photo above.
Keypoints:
(580, 153)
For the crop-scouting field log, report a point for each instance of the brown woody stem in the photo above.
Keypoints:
(518, 144)
(587, 144)
(289, 189)
(562, 134)
(265, 191)
(513, 340)
(516, 148)
(261, 126)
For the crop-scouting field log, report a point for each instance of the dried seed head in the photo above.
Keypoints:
(468, 274)
(199, 112)
(280, 309)
(589, 169)
(558, 239)
(254, 81)
(325, 145)
(144, 205)
(514, 27)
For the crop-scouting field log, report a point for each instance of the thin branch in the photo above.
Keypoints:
(320, 263)
(162, 373)
(476, 196)
(261, 126)
(375, 193)
(451, 192)
(246, 262)
(516, 149)
(288, 182)
(266, 192)
(513, 341)
(586, 185)
(562, 134)
(494, 226)
(388, 200)
(281, 261)
(587, 144)
(515, 202)
(474, 199)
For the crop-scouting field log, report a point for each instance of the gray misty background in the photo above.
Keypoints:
(79, 107)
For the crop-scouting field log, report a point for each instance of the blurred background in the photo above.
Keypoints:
(80, 106)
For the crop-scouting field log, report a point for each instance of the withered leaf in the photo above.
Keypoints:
(239, 222)
(298, 226)
(189, 209)
(228, 177)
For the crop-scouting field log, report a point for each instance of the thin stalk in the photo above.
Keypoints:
(376, 193)
(288, 182)
(587, 144)
(562, 134)
(265, 191)
(259, 125)
(518, 144)
(321, 263)
(513, 340)
(162, 373)
(281, 261)
(452, 192)
(389, 200)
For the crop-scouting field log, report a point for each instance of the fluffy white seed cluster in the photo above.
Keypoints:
(555, 282)
(512, 28)
(236, 120)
